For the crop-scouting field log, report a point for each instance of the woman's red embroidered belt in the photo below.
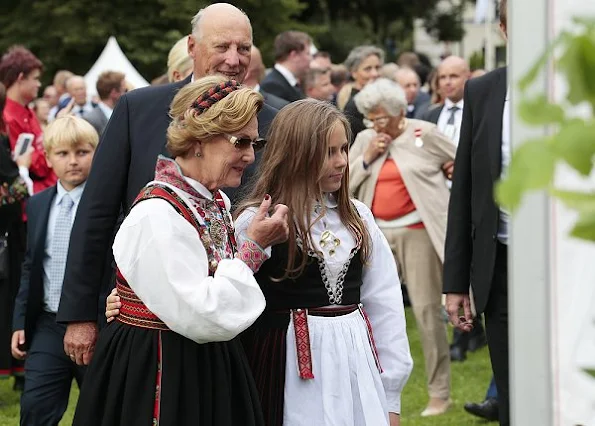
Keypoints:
(133, 311)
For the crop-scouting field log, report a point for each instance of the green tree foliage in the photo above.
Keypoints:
(70, 34)
(385, 23)
(572, 140)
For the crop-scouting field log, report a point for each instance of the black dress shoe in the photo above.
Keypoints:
(487, 410)
(457, 354)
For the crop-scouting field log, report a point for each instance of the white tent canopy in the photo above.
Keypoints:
(113, 59)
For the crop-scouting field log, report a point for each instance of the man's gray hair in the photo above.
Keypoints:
(197, 18)
(383, 93)
(359, 55)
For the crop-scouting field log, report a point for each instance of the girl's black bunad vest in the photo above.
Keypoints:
(265, 341)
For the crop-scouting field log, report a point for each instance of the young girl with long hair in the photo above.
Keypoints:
(331, 346)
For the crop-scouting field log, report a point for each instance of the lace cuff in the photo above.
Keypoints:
(252, 255)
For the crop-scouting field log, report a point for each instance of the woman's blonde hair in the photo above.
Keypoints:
(228, 115)
(178, 59)
(71, 131)
(291, 169)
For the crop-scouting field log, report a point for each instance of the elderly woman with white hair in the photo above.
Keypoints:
(397, 169)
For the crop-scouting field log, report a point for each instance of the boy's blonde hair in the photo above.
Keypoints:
(71, 131)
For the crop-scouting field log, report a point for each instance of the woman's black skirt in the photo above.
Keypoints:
(200, 384)
(265, 346)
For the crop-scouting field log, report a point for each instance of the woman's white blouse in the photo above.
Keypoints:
(163, 260)
(380, 292)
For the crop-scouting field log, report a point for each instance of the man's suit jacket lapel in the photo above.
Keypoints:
(102, 118)
(434, 115)
(495, 111)
(294, 93)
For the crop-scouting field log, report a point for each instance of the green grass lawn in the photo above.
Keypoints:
(469, 382)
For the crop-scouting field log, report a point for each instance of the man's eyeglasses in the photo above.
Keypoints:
(380, 122)
(244, 143)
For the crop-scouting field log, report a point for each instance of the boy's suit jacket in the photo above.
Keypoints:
(29, 300)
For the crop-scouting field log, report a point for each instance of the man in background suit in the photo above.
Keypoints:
(453, 73)
(477, 233)
(77, 103)
(418, 102)
(255, 74)
(125, 162)
(292, 60)
(317, 84)
(110, 86)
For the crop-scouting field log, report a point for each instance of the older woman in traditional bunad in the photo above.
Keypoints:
(396, 168)
(186, 289)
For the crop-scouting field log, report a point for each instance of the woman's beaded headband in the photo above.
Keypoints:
(214, 95)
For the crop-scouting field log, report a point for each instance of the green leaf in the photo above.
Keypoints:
(584, 227)
(580, 201)
(509, 193)
(576, 145)
(532, 74)
(532, 167)
(540, 111)
(590, 371)
(578, 63)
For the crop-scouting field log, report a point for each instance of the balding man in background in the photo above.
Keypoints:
(135, 136)
(255, 74)
(77, 103)
(453, 73)
(316, 84)
(418, 102)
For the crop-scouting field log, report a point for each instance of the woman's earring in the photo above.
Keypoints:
(198, 155)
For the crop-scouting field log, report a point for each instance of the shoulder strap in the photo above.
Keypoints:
(165, 193)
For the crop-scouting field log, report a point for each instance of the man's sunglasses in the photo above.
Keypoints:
(245, 143)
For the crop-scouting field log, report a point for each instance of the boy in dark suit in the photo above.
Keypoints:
(69, 144)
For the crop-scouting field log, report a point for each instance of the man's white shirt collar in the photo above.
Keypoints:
(106, 110)
(448, 104)
(287, 74)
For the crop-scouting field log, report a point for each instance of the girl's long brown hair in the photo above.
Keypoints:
(290, 172)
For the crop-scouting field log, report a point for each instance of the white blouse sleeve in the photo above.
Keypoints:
(241, 226)
(383, 302)
(164, 261)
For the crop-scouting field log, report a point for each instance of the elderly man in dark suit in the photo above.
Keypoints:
(110, 86)
(477, 232)
(292, 60)
(220, 43)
